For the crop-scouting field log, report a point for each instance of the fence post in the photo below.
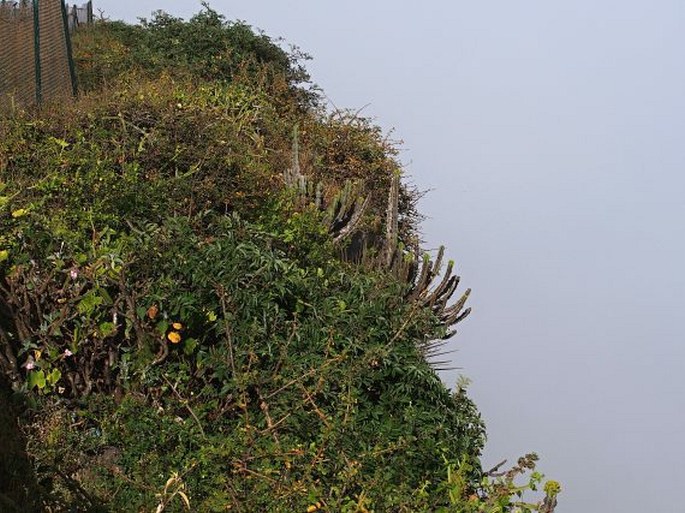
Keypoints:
(36, 50)
(89, 7)
(70, 56)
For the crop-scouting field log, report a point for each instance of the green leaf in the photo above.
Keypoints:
(107, 329)
(36, 379)
(61, 142)
(141, 312)
(53, 377)
(162, 327)
(104, 295)
(89, 302)
(190, 345)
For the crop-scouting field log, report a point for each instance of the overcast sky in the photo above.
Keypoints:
(552, 136)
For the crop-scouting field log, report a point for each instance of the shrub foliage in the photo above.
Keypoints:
(183, 327)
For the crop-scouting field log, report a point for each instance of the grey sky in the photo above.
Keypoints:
(552, 135)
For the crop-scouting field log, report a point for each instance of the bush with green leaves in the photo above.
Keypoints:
(181, 322)
(261, 381)
(207, 47)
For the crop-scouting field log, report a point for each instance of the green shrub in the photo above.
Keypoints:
(179, 318)
(239, 362)
(207, 47)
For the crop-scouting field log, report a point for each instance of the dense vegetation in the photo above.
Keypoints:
(212, 295)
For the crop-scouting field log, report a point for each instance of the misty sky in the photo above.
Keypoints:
(552, 135)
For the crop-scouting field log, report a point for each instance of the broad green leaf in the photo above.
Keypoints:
(162, 327)
(54, 376)
(36, 379)
(189, 346)
(89, 302)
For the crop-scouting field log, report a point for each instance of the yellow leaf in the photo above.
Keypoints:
(169, 482)
(19, 213)
(4, 255)
(185, 499)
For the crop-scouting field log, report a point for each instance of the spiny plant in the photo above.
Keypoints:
(342, 215)
(342, 218)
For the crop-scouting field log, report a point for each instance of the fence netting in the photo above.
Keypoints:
(35, 52)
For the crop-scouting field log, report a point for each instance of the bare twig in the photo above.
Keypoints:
(310, 372)
(309, 399)
(264, 406)
(185, 403)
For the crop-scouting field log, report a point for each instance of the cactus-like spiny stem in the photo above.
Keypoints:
(343, 217)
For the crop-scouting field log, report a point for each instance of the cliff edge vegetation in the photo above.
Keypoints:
(213, 295)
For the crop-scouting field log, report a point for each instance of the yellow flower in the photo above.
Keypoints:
(174, 337)
(152, 311)
(177, 326)
(314, 507)
(19, 213)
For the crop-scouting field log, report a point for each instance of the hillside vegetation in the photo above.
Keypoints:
(213, 296)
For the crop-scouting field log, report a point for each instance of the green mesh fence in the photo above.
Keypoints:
(35, 53)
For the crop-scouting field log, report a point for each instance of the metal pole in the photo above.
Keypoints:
(70, 56)
(36, 50)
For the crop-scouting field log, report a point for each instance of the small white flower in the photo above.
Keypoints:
(30, 365)
(73, 273)
(67, 353)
